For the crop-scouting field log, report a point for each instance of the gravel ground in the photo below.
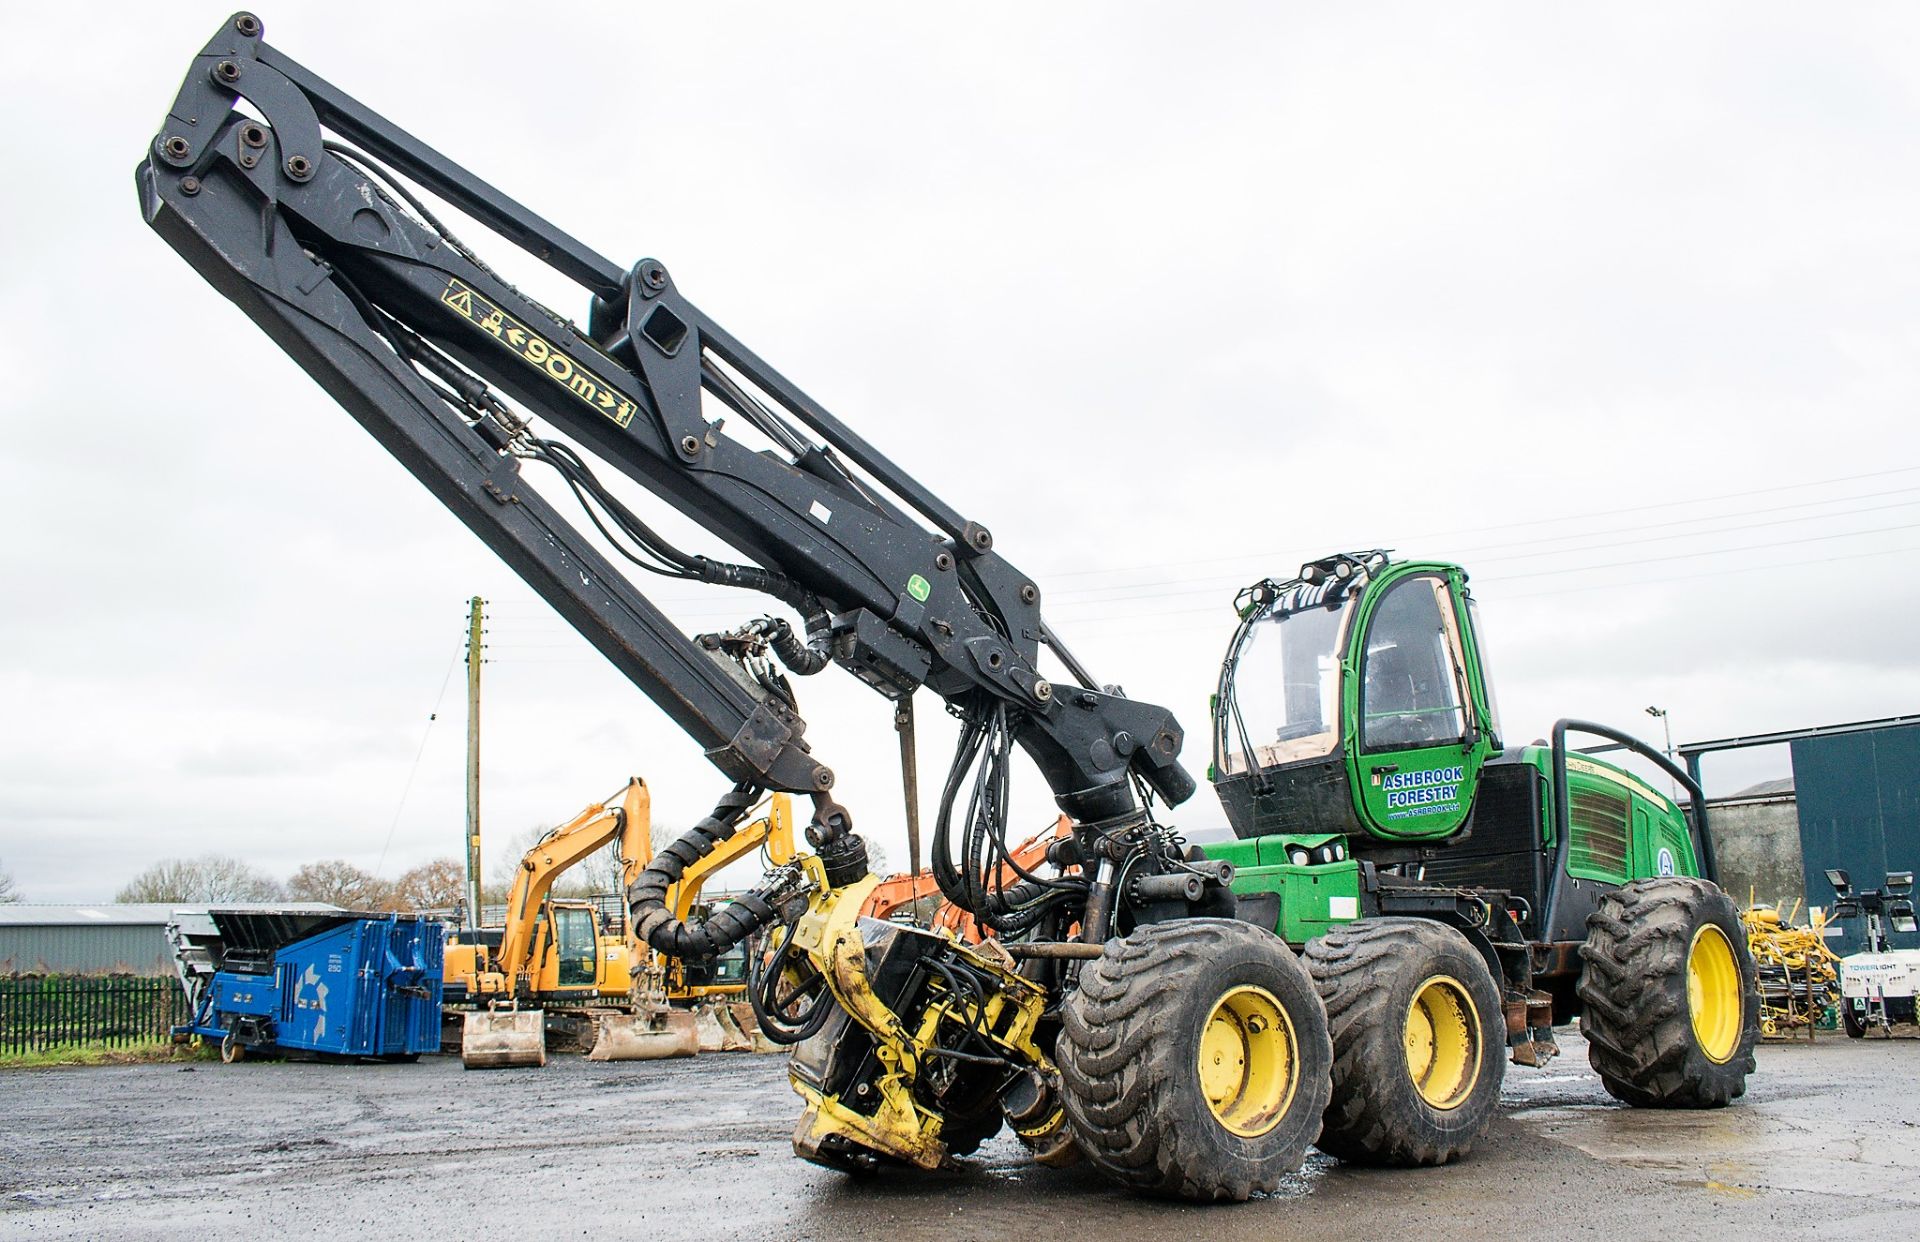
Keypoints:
(699, 1149)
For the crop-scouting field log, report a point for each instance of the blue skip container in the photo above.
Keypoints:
(338, 983)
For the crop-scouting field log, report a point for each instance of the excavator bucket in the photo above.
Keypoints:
(719, 1029)
(503, 1039)
(650, 1035)
(749, 1026)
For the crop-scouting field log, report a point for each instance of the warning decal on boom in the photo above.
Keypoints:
(538, 352)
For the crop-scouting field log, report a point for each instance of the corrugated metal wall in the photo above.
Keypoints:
(136, 948)
(1859, 796)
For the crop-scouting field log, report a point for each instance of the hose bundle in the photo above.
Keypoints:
(654, 923)
(978, 883)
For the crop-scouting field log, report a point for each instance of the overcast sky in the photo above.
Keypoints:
(1616, 306)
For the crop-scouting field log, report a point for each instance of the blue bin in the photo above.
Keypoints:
(351, 985)
(370, 988)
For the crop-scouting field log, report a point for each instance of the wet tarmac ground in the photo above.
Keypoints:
(1827, 1141)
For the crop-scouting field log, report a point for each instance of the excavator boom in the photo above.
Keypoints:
(559, 851)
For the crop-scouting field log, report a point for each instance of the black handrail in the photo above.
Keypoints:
(1563, 813)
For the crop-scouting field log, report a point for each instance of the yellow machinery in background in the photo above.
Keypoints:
(556, 964)
(1799, 976)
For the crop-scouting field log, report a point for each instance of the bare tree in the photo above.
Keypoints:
(602, 872)
(437, 885)
(340, 883)
(9, 891)
(209, 878)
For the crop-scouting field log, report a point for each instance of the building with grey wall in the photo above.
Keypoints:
(85, 940)
(1756, 841)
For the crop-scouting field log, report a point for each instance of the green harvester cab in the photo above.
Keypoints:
(1357, 750)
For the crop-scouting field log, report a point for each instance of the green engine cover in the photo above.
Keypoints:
(1308, 898)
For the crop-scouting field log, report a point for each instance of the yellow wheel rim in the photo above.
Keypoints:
(1443, 1042)
(1248, 1070)
(1713, 993)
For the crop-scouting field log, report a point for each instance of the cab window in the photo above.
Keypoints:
(1487, 681)
(575, 945)
(1410, 692)
(1287, 688)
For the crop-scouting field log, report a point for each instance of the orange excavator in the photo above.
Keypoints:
(903, 892)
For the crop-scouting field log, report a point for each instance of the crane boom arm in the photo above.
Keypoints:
(382, 308)
(293, 200)
(253, 180)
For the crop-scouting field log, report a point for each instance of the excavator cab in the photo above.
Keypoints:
(570, 954)
(1353, 700)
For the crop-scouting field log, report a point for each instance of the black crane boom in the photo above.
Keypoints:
(298, 208)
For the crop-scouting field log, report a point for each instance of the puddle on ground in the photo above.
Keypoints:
(1808, 1143)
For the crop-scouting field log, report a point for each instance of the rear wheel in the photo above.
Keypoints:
(1194, 1060)
(1854, 1021)
(1418, 1041)
(1671, 993)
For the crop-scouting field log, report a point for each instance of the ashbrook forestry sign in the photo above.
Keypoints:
(1431, 789)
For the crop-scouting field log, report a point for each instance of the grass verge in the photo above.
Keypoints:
(101, 1054)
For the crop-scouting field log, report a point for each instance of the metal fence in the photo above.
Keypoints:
(114, 1011)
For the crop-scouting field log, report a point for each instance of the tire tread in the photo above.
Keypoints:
(1632, 986)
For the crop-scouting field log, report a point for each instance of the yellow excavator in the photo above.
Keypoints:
(556, 965)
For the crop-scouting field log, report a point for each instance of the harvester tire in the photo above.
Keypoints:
(1419, 1041)
(1194, 1059)
(1670, 993)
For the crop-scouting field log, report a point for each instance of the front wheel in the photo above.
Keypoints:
(1194, 1059)
(1671, 993)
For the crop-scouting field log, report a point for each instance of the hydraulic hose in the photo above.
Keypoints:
(972, 882)
(808, 657)
(763, 987)
(804, 658)
(653, 921)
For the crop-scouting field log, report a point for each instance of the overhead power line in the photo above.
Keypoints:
(414, 771)
(1531, 522)
(1769, 567)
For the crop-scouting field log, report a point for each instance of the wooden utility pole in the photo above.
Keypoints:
(475, 618)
